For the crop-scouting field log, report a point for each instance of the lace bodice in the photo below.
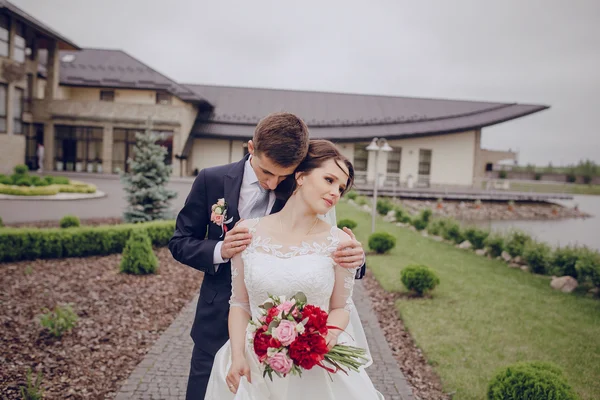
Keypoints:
(270, 267)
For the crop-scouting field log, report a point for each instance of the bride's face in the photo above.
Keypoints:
(322, 188)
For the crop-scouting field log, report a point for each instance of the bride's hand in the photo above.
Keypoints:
(239, 367)
(331, 339)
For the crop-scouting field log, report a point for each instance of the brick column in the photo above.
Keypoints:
(107, 146)
(52, 67)
(49, 146)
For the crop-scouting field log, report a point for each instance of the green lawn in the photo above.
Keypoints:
(485, 315)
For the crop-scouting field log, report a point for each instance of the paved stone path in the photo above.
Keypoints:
(163, 372)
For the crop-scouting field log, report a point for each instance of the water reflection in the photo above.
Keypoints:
(582, 232)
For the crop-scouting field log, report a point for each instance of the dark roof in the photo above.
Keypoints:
(114, 69)
(64, 43)
(343, 116)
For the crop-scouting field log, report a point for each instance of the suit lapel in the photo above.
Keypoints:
(277, 206)
(232, 183)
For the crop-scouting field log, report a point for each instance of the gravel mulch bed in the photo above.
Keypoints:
(120, 317)
(426, 385)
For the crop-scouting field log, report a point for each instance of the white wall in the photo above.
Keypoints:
(452, 159)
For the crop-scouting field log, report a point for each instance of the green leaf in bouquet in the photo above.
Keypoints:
(300, 297)
(272, 325)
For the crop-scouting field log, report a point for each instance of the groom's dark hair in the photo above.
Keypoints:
(283, 138)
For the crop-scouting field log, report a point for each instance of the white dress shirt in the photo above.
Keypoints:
(249, 192)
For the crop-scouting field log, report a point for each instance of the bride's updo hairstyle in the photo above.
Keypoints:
(319, 152)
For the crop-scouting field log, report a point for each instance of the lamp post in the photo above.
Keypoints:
(377, 145)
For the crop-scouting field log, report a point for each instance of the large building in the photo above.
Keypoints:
(85, 106)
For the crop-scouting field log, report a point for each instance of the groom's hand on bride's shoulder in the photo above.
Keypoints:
(236, 241)
(349, 253)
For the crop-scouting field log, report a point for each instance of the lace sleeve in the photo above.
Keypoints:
(239, 294)
(344, 283)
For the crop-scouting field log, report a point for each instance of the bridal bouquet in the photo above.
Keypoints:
(290, 336)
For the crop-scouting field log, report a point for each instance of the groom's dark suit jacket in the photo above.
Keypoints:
(193, 244)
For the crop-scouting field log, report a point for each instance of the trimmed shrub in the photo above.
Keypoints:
(361, 200)
(537, 256)
(495, 245)
(22, 180)
(347, 223)
(419, 223)
(352, 195)
(515, 243)
(419, 279)
(453, 232)
(530, 380)
(21, 169)
(588, 266)
(425, 215)
(437, 226)
(5, 180)
(59, 321)
(381, 242)
(402, 215)
(1, 223)
(28, 191)
(476, 237)
(138, 257)
(384, 206)
(564, 260)
(32, 243)
(60, 180)
(69, 221)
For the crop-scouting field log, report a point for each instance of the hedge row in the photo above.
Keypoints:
(32, 243)
(73, 187)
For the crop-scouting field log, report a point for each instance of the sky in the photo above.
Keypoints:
(534, 51)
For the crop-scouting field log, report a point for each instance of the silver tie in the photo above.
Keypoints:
(259, 209)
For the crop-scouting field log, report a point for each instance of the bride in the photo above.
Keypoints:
(291, 252)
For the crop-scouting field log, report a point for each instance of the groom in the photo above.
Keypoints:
(279, 144)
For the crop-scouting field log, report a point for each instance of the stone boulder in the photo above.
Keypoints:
(481, 252)
(505, 256)
(565, 284)
(437, 238)
(466, 245)
(514, 265)
(518, 260)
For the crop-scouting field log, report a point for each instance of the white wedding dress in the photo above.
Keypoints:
(270, 266)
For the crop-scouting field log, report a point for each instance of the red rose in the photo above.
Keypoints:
(272, 313)
(308, 350)
(317, 319)
(261, 344)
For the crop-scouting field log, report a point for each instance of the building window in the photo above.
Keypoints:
(163, 98)
(123, 147)
(18, 112)
(393, 161)
(3, 96)
(19, 51)
(361, 157)
(78, 148)
(107, 95)
(4, 35)
(424, 162)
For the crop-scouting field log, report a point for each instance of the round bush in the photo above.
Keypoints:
(361, 200)
(60, 180)
(419, 223)
(588, 266)
(564, 260)
(347, 223)
(419, 279)
(69, 221)
(384, 206)
(537, 256)
(495, 245)
(515, 243)
(352, 195)
(426, 215)
(381, 242)
(531, 380)
(5, 180)
(453, 232)
(23, 180)
(437, 227)
(476, 237)
(138, 257)
(21, 169)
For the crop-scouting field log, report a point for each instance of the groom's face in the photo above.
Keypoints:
(268, 173)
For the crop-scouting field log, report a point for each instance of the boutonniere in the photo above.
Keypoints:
(219, 215)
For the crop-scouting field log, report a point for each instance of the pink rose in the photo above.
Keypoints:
(285, 332)
(286, 306)
(217, 219)
(280, 363)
